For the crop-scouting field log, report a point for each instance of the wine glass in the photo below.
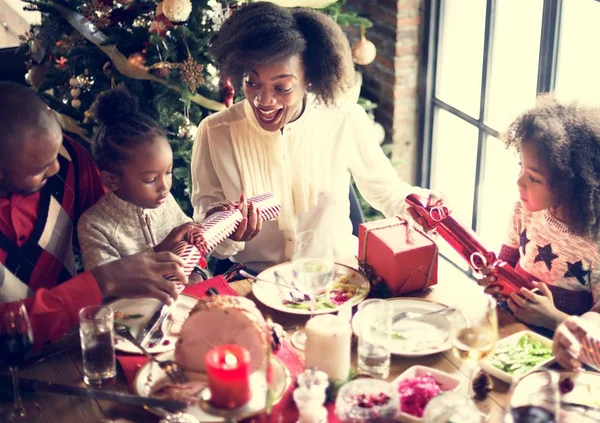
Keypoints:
(535, 397)
(474, 332)
(16, 341)
(313, 267)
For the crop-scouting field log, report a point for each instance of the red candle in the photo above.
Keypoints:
(228, 370)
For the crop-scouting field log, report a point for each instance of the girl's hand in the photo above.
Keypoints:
(537, 309)
(250, 225)
(488, 281)
(566, 343)
(176, 235)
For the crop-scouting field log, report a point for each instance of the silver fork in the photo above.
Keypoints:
(172, 370)
(158, 334)
(296, 295)
(404, 314)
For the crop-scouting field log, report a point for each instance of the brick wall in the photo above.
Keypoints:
(391, 80)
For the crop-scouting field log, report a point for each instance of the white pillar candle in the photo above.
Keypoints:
(328, 345)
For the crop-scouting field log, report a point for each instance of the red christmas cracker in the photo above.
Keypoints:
(465, 243)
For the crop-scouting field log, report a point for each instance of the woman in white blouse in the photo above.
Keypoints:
(288, 136)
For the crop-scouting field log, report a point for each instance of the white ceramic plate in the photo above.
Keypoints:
(416, 338)
(272, 295)
(150, 374)
(586, 391)
(447, 382)
(512, 340)
(147, 307)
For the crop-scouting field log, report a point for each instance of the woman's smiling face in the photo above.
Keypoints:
(276, 92)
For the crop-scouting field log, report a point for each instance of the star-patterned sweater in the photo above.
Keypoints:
(542, 248)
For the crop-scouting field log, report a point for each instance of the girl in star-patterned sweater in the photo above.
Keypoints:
(553, 237)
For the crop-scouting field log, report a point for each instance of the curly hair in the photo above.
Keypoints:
(568, 141)
(264, 33)
(121, 126)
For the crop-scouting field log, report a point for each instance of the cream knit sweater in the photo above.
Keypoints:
(114, 228)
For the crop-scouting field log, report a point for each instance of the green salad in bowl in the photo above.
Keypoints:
(518, 354)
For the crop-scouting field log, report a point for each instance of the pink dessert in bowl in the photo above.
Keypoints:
(416, 387)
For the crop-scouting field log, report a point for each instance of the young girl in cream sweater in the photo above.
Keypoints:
(136, 165)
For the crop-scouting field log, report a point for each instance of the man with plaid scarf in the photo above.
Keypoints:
(47, 181)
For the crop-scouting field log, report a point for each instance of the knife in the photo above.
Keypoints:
(33, 385)
(150, 324)
(585, 407)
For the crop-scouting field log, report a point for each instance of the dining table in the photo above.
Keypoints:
(62, 361)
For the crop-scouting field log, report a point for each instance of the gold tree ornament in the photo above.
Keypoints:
(363, 51)
(190, 73)
(177, 10)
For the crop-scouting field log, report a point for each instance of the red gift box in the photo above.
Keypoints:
(397, 255)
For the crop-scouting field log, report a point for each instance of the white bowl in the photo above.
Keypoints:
(487, 365)
(446, 381)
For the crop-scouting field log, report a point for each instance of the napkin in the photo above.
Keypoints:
(131, 364)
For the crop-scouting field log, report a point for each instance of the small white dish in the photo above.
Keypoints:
(446, 381)
(513, 339)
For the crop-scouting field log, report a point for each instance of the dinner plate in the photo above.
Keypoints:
(586, 391)
(273, 295)
(415, 338)
(150, 374)
(136, 312)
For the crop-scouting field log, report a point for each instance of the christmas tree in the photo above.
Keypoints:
(158, 51)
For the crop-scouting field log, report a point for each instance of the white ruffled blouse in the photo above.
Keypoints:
(307, 166)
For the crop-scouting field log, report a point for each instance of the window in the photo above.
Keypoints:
(484, 62)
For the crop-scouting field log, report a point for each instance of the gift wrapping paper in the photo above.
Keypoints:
(403, 257)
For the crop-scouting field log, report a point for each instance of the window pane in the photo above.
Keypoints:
(454, 160)
(498, 193)
(460, 54)
(513, 72)
(578, 59)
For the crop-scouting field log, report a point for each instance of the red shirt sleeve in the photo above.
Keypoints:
(510, 255)
(54, 312)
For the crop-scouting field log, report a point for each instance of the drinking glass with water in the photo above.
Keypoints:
(313, 266)
(374, 337)
(97, 344)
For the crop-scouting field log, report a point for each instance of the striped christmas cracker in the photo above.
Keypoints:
(218, 226)
(190, 256)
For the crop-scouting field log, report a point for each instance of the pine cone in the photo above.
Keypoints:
(482, 385)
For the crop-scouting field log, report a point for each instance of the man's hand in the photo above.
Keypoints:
(566, 343)
(176, 235)
(535, 308)
(141, 275)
